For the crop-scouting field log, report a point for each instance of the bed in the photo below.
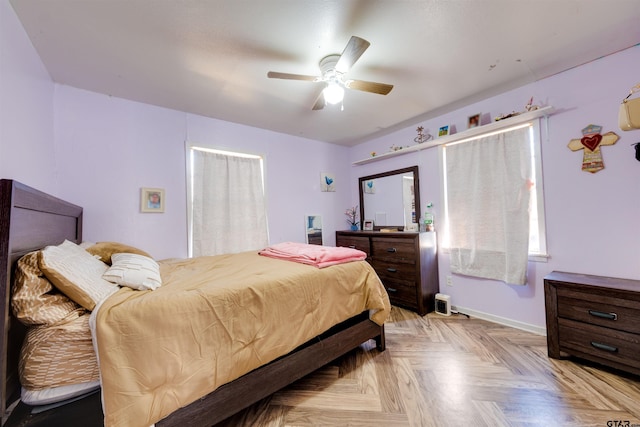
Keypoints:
(31, 220)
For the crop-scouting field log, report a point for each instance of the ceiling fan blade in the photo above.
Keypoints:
(320, 103)
(287, 76)
(379, 88)
(354, 49)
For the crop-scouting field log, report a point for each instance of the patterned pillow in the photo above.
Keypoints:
(135, 271)
(60, 355)
(35, 301)
(104, 250)
(76, 273)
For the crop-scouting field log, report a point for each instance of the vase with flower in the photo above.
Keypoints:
(352, 215)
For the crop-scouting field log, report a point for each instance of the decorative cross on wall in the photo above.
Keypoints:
(590, 142)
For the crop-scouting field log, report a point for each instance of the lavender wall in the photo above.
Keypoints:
(109, 148)
(98, 151)
(26, 108)
(591, 218)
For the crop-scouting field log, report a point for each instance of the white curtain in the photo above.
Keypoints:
(488, 185)
(228, 204)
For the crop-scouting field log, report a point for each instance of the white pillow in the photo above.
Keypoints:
(76, 273)
(135, 271)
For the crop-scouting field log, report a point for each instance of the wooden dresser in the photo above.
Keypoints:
(405, 261)
(594, 318)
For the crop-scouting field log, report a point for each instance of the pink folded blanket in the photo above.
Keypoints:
(320, 256)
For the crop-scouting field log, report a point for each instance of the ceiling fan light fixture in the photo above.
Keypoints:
(333, 93)
(333, 69)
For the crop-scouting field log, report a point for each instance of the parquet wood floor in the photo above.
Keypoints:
(451, 371)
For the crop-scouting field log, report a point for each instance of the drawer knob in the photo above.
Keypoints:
(392, 270)
(352, 246)
(602, 315)
(392, 290)
(604, 347)
(391, 250)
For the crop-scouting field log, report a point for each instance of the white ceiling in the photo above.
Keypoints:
(211, 57)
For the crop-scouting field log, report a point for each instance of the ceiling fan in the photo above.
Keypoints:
(333, 70)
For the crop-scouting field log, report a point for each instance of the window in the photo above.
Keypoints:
(226, 202)
(493, 203)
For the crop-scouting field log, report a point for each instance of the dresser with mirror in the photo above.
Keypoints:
(404, 258)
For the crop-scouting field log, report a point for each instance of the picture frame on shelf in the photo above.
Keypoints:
(473, 121)
(152, 200)
(367, 225)
(444, 130)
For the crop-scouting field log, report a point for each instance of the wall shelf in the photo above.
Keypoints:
(469, 133)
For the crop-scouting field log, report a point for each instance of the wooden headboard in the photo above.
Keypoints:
(29, 220)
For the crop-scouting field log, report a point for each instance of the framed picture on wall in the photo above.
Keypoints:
(327, 182)
(152, 200)
(367, 225)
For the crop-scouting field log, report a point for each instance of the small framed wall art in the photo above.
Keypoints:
(327, 182)
(152, 200)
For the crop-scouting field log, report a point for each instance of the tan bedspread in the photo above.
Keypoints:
(215, 319)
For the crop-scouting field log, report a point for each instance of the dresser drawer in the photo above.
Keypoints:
(599, 343)
(394, 249)
(595, 318)
(355, 242)
(395, 270)
(401, 293)
(405, 261)
(609, 313)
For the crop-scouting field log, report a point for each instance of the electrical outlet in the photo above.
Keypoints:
(449, 281)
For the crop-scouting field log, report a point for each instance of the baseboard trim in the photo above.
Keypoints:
(501, 320)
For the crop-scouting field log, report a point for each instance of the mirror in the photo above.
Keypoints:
(314, 229)
(391, 199)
